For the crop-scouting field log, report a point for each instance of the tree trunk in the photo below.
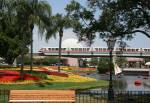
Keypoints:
(32, 27)
(10, 60)
(31, 49)
(60, 41)
(22, 65)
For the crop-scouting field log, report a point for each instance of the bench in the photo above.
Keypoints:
(41, 96)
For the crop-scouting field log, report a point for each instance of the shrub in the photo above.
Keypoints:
(103, 66)
(26, 60)
(50, 60)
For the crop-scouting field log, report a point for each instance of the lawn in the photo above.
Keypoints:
(56, 85)
(46, 79)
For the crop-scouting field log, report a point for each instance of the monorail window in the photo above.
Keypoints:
(96, 49)
(63, 48)
(76, 49)
(104, 49)
(125, 50)
(133, 50)
(100, 49)
(80, 49)
(128, 50)
(145, 50)
(83, 49)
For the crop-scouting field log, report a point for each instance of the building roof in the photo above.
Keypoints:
(135, 59)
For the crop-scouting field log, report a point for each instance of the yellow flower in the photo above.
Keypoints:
(71, 78)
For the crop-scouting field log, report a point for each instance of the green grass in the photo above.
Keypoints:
(58, 85)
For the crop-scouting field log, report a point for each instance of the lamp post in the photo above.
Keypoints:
(141, 51)
(110, 43)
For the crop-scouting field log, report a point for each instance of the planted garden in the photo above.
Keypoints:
(46, 78)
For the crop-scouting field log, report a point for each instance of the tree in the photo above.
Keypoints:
(14, 32)
(121, 61)
(50, 60)
(10, 32)
(38, 13)
(94, 61)
(18, 18)
(59, 23)
(118, 18)
(132, 15)
(103, 65)
(83, 18)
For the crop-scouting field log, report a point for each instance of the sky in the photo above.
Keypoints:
(139, 41)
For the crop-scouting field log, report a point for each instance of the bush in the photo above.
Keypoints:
(103, 67)
(26, 60)
(40, 61)
(50, 60)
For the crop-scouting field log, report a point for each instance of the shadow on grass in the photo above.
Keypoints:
(43, 83)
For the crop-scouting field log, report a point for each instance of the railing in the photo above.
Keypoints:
(96, 53)
(100, 96)
(4, 96)
(119, 97)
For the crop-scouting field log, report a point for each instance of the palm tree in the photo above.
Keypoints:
(38, 13)
(32, 13)
(59, 23)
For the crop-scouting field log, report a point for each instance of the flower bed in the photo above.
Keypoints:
(78, 68)
(13, 76)
(71, 78)
(87, 69)
(44, 70)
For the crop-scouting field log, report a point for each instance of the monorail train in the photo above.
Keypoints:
(92, 49)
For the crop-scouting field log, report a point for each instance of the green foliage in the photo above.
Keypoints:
(147, 59)
(118, 18)
(57, 85)
(50, 60)
(39, 61)
(58, 24)
(39, 75)
(17, 19)
(93, 62)
(120, 61)
(103, 65)
(26, 60)
(12, 31)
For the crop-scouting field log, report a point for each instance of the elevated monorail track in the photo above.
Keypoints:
(96, 52)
